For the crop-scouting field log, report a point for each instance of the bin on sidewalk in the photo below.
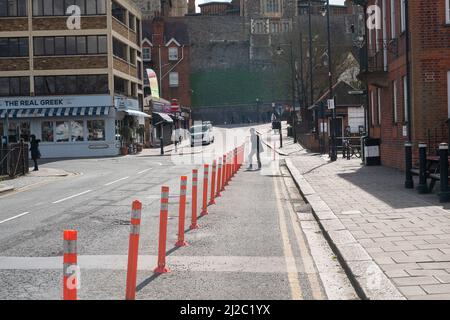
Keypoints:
(372, 152)
(290, 131)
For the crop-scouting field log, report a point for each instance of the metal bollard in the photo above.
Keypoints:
(409, 182)
(422, 187)
(161, 141)
(444, 195)
(133, 249)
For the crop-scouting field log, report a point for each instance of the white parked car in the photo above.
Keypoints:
(201, 134)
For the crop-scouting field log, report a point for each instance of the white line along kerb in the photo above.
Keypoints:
(74, 196)
(15, 217)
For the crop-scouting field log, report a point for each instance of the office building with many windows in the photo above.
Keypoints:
(70, 73)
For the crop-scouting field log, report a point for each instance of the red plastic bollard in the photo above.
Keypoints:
(227, 170)
(133, 250)
(205, 191)
(194, 224)
(162, 268)
(213, 184)
(224, 167)
(182, 213)
(70, 269)
(219, 177)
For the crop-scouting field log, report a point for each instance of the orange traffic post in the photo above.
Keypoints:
(205, 190)
(194, 224)
(213, 184)
(224, 167)
(182, 213)
(133, 250)
(70, 267)
(235, 161)
(227, 169)
(162, 268)
(219, 176)
(230, 161)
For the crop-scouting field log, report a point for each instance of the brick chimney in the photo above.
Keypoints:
(191, 6)
(158, 30)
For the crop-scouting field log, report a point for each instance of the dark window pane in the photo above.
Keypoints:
(13, 47)
(49, 46)
(91, 7)
(39, 46)
(25, 86)
(102, 84)
(102, 44)
(71, 84)
(37, 8)
(81, 45)
(48, 7)
(60, 46)
(131, 21)
(59, 8)
(22, 8)
(12, 8)
(92, 44)
(4, 87)
(3, 8)
(118, 12)
(60, 85)
(14, 86)
(71, 46)
(81, 4)
(50, 85)
(101, 7)
(4, 47)
(39, 88)
(23, 47)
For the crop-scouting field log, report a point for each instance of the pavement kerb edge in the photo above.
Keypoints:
(389, 291)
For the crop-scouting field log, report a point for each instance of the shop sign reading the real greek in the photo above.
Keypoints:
(56, 101)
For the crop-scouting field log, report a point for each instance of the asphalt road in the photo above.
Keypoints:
(250, 246)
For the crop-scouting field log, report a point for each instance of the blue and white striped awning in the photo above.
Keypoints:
(54, 112)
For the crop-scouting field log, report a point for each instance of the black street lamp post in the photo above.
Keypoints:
(333, 156)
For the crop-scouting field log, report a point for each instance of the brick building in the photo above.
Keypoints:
(72, 88)
(215, 8)
(408, 85)
(166, 48)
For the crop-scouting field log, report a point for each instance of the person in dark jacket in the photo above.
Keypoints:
(35, 153)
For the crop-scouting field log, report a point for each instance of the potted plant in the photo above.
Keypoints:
(126, 133)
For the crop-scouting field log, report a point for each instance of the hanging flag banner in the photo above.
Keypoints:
(153, 82)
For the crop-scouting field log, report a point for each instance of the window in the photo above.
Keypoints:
(146, 54)
(173, 53)
(173, 79)
(394, 101)
(379, 106)
(78, 45)
(393, 20)
(96, 130)
(405, 99)
(13, 8)
(73, 84)
(272, 6)
(372, 107)
(120, 49)
(402, 15)
(76, 131)
(274, 27)
(131, 21)
(14, 86)
(13, 47)
(119, 12)
(62, 131)
(59, 7)
(447, 11)
(120, 86)
(47, 131)
(448, 93)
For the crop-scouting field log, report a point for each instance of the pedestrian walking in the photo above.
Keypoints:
(256, 148)
(35, 153)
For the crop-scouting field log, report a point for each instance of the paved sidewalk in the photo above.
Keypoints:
(374, 223)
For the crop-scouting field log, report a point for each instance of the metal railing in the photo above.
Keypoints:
(14, 159)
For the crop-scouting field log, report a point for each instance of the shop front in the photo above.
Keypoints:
(68, 126)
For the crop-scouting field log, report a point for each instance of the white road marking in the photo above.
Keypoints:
(144, 171)
(115, 181)
(15, 217)
(74, 196)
